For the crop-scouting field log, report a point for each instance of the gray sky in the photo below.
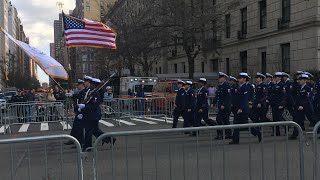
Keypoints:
(37, 17)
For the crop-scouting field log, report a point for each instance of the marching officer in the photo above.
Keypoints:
(259, 103)
(289, 93)
(76, 130)
(190, 103)
(269, 84)
(223, 99)
(202, 106)
(233, 88)
(303, 105)
(251, 90)
(311, 84)
(242, 107)
(179, 105)
(276, 97)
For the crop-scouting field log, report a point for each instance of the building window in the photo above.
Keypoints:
(202, 67)
(88, 8)
(227, 65)
(156, 70)
(264, 62)
(228, 26)
(175, 68)
(214, 65)
(244, 20)
(160, 70)
(285, 49)
(243, 61)
(263, 14)
(286, 11)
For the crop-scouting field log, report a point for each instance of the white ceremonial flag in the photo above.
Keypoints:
(49, 65)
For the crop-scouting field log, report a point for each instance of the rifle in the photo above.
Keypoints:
(96, 89)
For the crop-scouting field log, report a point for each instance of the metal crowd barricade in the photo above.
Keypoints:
(25, 158)
(17, 113)
(316, 167)
(170, 154)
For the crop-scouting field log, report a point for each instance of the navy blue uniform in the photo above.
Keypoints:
(189, 106)
(233, 90)
(223, 99)
(289, 86)
(179, 107)
(242, 103)
(76, 130)
(90, 121)
(316, 101)
(277, 97)
(302, 100)
(202, 107)
(259, 104)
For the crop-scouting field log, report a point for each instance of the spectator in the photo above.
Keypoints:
(141, 101)
(59, 94)
(29, 96)
(212, 90)
(51, 99)
(130, 93)
(19, 98)
(108, 95)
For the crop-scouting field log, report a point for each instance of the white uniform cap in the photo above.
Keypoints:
(203, 79)
(243, 74)
(309, 74)
(87, 78)
(269, 75)
(278, 74)
(108, 87)
(260, 75)
(96, 80)
(233, 78)
(303, 76)
(79, 81)
(300, 72)
(189, 82)
(285, 74)
(180, 81)
(221, 74)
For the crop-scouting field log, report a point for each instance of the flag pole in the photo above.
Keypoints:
(56, 83)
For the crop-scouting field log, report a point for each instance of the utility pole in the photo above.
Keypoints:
(60, 5)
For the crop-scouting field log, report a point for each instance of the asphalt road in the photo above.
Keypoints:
(155, 157)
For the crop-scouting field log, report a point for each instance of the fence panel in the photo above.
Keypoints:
(42, 157)
(172, 154)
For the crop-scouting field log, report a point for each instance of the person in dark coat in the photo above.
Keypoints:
(276, 98)
(179, 104)
(189, 106)
(303, 104)
(242, 107)
(202, 106)
(259, 102)
(223, 100)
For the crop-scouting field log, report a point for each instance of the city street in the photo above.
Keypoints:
(163, 155)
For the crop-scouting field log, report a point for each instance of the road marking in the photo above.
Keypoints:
(65, 125)
(44, 127)
(24, 128)
(144, 121)
(106, 123)
(127, 123)
(155, 119)
(3, 128)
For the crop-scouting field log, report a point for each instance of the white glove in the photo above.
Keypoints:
(81, 106)
(80, 116)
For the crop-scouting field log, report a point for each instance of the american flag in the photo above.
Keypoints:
(84, 32)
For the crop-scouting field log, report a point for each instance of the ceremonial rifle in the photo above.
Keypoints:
(96, 89)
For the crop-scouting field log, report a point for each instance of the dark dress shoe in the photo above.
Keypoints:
(113, 141)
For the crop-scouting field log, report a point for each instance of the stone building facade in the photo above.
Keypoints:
(269, 36)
